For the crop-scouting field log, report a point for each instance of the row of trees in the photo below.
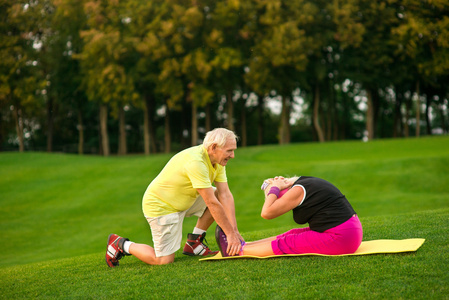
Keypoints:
(152, 75)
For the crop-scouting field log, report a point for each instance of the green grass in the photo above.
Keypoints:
(57, 210)
(408, 276)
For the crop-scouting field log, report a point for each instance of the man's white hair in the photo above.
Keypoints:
(218, 136)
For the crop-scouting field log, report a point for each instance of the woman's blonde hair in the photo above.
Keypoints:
(218, 136)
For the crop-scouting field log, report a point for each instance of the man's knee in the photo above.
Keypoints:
(164, 260)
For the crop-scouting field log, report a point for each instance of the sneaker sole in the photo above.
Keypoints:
(110, 265)
(191, 254)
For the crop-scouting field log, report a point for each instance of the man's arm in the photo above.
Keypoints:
(226, 199)
(221, 217)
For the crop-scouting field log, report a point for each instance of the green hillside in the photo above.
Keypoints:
(57, 211)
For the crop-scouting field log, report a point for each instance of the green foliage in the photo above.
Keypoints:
(201, 95)
(424, 34)
(56, 54)
(102, 59)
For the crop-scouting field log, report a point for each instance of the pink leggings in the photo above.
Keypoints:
(342, 239)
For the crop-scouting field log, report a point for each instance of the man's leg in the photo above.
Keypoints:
(205, 220)
(118, 247)
(146, 254)
(196, 242)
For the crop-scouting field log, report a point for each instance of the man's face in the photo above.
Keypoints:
(222, 155)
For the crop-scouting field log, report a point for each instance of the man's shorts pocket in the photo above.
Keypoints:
(168, 219)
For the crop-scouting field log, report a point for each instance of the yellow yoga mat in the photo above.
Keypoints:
(367, 247)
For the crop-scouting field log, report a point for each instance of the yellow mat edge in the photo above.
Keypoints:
(418, 243)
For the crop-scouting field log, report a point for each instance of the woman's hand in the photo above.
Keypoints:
(280, 182)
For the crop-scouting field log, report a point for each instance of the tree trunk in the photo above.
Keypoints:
(244, 137)
(194, 124)
(287, 121)
(167, 138)
(146, 129)
(208, 118)
(50, 124)
(104, 129)
(2, 137)
(329, 123)
(19, 127)
(122, 149)
(442, 114)
(397, 117)
(149, 131)
(260, 125)
(80, 132)
(333, 134)
(316, 114)
(370, 115)
(408, 104)
(345, 124)
(284, 128)
(418, 111)
(183, 124)
(282, 122)
(428, 123)
(230, 111)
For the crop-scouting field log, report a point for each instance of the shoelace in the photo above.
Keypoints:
(204, 241)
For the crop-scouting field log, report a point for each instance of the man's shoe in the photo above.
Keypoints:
(196, 245)
(114, 251)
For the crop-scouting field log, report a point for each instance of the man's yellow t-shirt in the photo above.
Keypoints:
(174, 189)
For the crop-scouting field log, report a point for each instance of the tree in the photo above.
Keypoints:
(371, 52)
(20, 84)
(230, 40)
(196, 65)
(165, 42)
(103, 60)
(423, 37)
(66, 77)
(278, 54)
(144, 28)
(321, 35)
(67, 62)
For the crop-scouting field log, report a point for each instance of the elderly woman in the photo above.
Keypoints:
(334, 227)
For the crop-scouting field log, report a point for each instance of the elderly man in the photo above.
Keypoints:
(184, 188)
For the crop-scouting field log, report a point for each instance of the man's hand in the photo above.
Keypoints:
(240, 236)
(234, 244)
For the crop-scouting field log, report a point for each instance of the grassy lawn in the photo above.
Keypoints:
(57, 211)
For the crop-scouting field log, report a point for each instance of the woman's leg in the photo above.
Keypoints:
(261, 241)
(259, 248)
(264, 248)
(270, 239)
(342, 239)
(294, 231)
